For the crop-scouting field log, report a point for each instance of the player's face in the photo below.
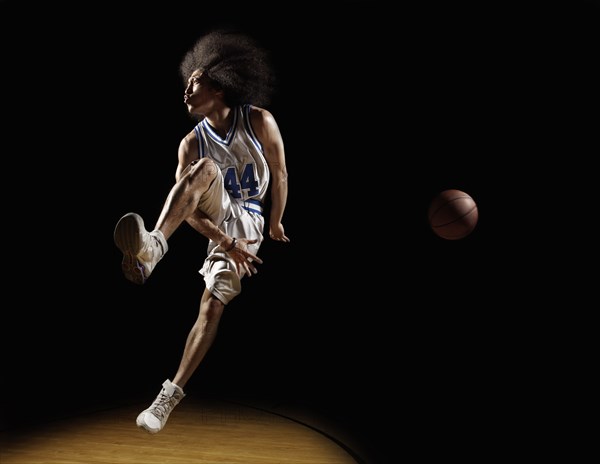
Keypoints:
(200, 95)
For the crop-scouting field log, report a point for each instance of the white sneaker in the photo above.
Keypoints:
(141, 249)
(155, 417)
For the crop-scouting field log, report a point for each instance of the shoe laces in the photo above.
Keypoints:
(163, 405)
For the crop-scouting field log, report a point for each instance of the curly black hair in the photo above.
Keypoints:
(236, 63)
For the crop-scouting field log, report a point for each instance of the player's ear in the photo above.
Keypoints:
(216, 87)
(218, 90)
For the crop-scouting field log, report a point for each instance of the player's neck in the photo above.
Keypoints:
(221, 120)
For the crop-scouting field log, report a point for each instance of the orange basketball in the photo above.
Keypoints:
(453, 214)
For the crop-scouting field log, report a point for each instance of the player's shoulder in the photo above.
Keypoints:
(189, 142)
(260, 117)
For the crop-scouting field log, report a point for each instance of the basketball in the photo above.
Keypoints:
(453, 214)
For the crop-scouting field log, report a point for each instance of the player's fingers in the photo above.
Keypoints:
(249, 269)
(247, 256)
(250, 258)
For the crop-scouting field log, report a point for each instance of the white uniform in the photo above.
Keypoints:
(234, 201)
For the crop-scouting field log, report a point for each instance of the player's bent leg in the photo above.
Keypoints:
(141, 249)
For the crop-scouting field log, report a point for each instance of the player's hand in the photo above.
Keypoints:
(244, 260)
(276, 232)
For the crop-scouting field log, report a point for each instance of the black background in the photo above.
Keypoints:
(410, 342)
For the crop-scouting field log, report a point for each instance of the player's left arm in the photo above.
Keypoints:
(266, 129)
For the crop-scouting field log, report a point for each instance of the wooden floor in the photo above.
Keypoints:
(206, 431)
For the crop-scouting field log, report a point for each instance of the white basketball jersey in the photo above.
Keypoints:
(240, 157)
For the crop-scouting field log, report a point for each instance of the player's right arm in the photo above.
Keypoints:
(188, 156)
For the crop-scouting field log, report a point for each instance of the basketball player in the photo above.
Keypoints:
(226, 164)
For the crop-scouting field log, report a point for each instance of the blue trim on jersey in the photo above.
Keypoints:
(254, 206)
(213, 135)
(255, 141)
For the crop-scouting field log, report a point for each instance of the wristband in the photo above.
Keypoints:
(232, 245)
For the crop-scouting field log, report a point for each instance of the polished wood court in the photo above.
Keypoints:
(206, 431)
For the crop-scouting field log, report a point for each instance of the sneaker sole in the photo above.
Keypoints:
(128, 237)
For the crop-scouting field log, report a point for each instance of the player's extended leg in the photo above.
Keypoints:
(199, 340)
(141, 249)
(201, 337)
